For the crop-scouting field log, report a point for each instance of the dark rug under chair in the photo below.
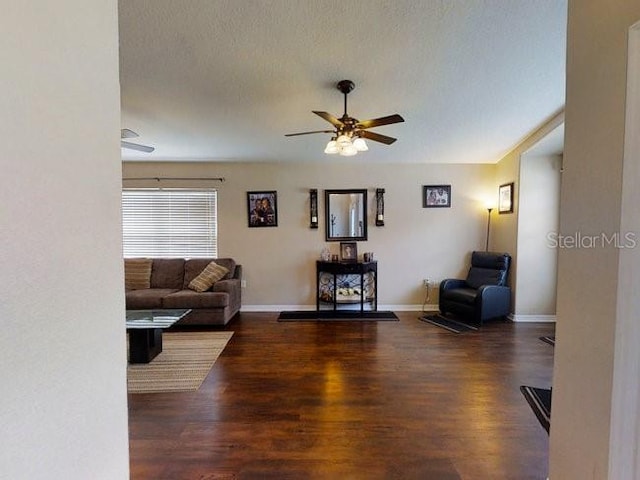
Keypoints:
(539, 399)
(447, 323)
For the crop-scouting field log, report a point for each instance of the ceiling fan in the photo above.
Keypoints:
(126, 133)
(349, 132)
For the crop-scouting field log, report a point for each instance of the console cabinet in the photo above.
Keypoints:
(346, 283)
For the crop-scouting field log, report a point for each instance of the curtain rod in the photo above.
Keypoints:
(158, 179)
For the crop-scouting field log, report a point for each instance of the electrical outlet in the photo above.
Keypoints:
(243, 283)
(425, 282)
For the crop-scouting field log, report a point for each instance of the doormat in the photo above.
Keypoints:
(539, 399)
(549, 340)
(447, 323)
(335, 316)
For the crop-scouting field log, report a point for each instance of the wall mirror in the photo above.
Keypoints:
(346, 215)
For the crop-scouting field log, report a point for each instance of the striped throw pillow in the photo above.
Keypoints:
(210, 275)
(137, 273)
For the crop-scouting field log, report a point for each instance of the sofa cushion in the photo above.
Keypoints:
(194, 266)
(191, 299)
(137, 273)
(229, 264)
(210, 275)
(148, 298)
(167, 273)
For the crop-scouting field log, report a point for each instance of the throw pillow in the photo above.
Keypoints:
(210, 275)
(137, 273)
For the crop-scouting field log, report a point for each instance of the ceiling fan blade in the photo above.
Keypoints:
(126, 133)
(376, 137)
(307, 133)
(135, 146)
(377, 122)
(329, 118)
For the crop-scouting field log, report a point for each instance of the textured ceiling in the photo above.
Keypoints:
(224, 80)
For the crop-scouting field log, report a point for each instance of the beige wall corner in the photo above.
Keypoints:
(504, 227)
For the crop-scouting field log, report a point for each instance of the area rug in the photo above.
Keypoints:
(539, 399)
(447, 323)
(183, 364)
(549, 340)
(336, 316)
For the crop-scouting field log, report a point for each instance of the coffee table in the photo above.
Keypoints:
(145, 332)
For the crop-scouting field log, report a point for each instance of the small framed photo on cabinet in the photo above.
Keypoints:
(348, 251)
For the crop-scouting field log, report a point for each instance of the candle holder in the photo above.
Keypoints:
(380, 207)
(313, 208)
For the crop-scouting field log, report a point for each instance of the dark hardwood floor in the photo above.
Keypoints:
(348, 400)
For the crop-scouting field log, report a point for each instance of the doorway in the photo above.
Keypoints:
(538, 221)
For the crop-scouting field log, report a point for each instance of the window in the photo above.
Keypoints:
(169, 223)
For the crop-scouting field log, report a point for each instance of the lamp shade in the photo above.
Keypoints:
(348, 151)
(331, 148)
(360, 144)
(343, 141)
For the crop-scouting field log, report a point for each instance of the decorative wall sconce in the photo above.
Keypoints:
(313, 208)
(379, 207)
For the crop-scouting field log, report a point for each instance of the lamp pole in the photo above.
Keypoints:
(486, 249)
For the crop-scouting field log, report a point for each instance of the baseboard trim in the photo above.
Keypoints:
(409, 308)
(532, 318)
(283, 308)
(275, 308)
(393, 308)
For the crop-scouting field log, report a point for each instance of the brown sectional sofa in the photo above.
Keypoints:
(169, 280)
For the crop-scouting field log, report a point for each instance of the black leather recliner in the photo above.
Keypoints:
(484, 294)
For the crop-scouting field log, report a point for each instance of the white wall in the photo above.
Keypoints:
(279, 263)
(624, 460)
(588, 278)
(62, 339)
(538, 216)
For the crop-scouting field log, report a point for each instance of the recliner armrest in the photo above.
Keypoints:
(449, 283)
(493, 301)
(486, 292)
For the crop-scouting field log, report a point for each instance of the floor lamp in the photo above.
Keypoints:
(486, 248)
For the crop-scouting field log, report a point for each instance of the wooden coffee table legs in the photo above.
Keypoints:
(144, 344)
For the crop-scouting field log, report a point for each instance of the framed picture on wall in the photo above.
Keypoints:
(262, 208)
(505, 198)
(436, 196)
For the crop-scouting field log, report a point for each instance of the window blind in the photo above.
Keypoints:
(169, 223)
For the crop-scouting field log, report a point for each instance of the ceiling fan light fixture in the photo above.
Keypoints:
(360, 144)
(343, 141)
(348, 151)
(332, 147)
(348, 133)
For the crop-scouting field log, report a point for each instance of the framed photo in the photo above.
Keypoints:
(262, 209)
(436, 196)
(348, 251)
(505, 198)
